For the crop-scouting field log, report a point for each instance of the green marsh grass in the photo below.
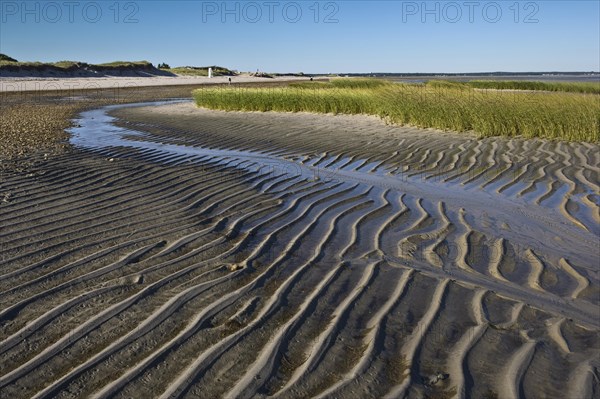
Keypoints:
(570, 87)
(452, 107)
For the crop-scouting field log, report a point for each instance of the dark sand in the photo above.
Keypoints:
(303, 256)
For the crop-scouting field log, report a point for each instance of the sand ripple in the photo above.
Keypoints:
(251, 255)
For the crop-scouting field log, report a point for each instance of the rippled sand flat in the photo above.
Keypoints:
(180, 252)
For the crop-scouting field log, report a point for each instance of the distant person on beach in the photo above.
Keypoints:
(229, 80)
(311, 79)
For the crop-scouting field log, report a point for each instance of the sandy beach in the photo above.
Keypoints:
(172, 251)
(20, 84)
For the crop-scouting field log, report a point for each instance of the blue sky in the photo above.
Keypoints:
(287, 36)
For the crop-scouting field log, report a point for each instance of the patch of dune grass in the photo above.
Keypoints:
(125, 64)
(75, 64)
(66, 64)
(452, 107)
(201, 71)
(4, 63)
(6, 58)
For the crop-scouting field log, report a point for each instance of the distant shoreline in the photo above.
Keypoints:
(22, 84)
(463, 77)
(49, 83)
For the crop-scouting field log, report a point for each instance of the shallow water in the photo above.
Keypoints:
(532, 226)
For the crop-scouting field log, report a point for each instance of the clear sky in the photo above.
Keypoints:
(311, 36)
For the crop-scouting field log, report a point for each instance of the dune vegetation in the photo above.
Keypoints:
(201, 71)
(441, 105)
(6, 58)
(11, 67)
(67, 65)
(10, 64)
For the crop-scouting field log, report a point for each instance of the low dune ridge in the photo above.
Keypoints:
(205, 254)
(80, 70)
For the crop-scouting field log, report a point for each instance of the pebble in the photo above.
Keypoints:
(435, 378)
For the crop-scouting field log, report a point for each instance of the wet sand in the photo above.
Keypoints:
(180, 252)
(33, 123)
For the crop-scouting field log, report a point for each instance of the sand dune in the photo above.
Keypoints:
(179, 252)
